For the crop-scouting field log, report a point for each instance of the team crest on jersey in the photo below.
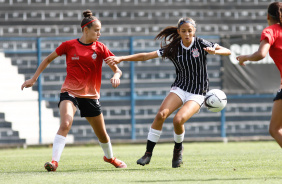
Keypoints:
(195, 53)
(94, 55)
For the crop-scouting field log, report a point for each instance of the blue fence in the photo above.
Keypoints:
(129, 49)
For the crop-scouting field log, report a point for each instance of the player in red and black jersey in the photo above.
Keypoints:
(81, 88)
(271, 41)
(188, 54)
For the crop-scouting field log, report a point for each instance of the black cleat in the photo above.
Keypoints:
(177, 157)
(145, 159)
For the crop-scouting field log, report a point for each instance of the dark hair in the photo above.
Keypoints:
(87, 19)
(275, 11)
(170, 34)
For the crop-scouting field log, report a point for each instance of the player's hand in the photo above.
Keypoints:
(115, 82)
(112, 60)
(241, 60)
(28, 83)
(210, 50)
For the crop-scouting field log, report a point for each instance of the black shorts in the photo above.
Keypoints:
(278, 95)
(88, 107)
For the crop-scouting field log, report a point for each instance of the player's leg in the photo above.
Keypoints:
(275, 127)
(98, 125)
(168, 106)
(185, 113)
(67, 111)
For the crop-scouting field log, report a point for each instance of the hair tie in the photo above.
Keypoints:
(88, 23)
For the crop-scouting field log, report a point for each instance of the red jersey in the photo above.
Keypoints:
(84, 67)
(273, 34)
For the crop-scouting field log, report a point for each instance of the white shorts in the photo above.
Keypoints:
(186, 96)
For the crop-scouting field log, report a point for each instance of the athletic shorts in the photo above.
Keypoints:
(88, 107)
(186, 96)
(278, 95)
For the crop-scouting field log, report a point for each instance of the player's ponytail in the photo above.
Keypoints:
(171, 38)
(88, 19)
(275, 11)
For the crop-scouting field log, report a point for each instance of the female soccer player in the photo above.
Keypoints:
(188, 54)
(271, 41)
(81, 88)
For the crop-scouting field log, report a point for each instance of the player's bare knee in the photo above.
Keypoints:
(273, 130)
(162, 115)
(178, 121)
(65, 126)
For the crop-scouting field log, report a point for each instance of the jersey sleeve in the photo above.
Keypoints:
(62, 49)
(267, 34)
(106, 52)
(160, 52)
(204, 43)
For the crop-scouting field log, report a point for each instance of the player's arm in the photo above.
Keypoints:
(135, 57)
(256, 56)
(219, 50)
(30, 82)
(115, 80)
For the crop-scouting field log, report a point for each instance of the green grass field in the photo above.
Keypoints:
(234, 162)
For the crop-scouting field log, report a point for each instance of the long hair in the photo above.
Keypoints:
(171, 39)
(275, 11)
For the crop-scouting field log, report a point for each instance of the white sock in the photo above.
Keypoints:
(154, 135)
(58, 147)
(179, 138)
(107, 148)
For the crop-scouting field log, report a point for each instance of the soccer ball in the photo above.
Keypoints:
(215, 100)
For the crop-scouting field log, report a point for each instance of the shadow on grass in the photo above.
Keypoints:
(207, 180)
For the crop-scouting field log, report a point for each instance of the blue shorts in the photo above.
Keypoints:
(88, 107)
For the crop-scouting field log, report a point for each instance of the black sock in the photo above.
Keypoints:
(150, 146)
(177, 145)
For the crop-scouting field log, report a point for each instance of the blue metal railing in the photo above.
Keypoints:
(132, 92)
(39, 89)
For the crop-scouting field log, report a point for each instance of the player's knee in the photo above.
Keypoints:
(162, 115)
(65, 125)
(273, 130)
(178, 121)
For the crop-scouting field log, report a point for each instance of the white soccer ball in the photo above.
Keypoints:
(215, 100)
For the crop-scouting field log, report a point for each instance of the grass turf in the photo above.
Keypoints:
(235, 162)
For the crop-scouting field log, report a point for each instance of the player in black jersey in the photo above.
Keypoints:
(188, 54)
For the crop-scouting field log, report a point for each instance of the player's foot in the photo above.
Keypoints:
(177, 157)
(145, 159)
(115, 162)
(51, 166)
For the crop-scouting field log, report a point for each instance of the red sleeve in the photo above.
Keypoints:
(62, 49)
(107, 52)
(267, 34)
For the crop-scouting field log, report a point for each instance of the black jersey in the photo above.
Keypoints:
(191, 66)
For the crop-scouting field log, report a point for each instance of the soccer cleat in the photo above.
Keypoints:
(116, 162)
(145, 159)
(177, 157)
(51, 166)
